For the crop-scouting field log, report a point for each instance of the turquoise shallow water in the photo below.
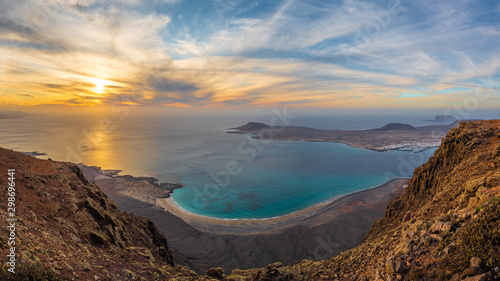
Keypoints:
(290, 176)
(270, 179)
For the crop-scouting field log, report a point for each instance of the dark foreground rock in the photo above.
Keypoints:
(67, 228)
(446, 225)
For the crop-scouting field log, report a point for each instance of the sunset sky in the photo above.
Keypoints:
(235, 53)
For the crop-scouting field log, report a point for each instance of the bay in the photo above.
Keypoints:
(264, 179)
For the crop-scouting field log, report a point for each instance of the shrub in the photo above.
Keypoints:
(480, 238)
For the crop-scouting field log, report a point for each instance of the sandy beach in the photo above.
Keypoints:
(316, 233)
(312, 216)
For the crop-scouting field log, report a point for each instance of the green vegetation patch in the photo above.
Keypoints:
(480, 238)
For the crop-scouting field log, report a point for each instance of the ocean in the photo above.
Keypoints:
(224, 175)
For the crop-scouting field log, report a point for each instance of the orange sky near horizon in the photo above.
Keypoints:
(97, 55)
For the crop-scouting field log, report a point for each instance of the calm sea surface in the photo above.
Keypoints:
(225, 175)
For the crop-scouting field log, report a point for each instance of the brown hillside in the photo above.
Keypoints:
(446, 225)
(67, 229)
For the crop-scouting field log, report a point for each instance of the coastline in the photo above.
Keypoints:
(204, 243)
(415, 147)
(404, 146)
(393, 136)
(310, 216)
(148, 191)
(315, 233)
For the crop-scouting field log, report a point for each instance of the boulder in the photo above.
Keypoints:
(475, 262)
(482, 277)
(440, 226)
(472, 271)
(216, 273)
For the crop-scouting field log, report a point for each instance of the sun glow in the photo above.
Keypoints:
(100, 85)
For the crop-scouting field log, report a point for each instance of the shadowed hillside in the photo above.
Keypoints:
(446, 225)
(68, 229)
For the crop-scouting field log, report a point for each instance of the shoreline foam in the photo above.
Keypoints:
(273, 224)
(308, 217)
(171, 200)
(203, 243)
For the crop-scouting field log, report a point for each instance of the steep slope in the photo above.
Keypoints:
(244, 244)
(67, 228)
(446, 225)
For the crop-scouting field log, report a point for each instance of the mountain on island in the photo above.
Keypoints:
(252, 126)
(397, 126)
(9, 114)
(444, 226)
(442, 118)
(389, 137)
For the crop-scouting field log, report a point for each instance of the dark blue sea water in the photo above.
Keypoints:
(225, 175)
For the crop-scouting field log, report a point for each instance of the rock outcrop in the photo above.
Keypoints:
(67, 229)
(446, 225)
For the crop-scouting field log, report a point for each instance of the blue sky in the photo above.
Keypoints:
(187, 53)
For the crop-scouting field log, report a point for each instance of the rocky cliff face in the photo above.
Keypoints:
(65, 228)
(446, 225)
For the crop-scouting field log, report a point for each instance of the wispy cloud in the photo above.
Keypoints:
(191, 53)
(26, 95)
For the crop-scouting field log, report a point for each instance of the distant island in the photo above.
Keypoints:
(442, 118)
(33, 153)
(9, 114)
(442, 224)
(393, 136)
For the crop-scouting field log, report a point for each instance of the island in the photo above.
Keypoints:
(442, 118)
(82, 224)
(33, 153)
(9, 114)
(203, 242)
(393, 136)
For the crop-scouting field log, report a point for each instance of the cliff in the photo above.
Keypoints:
(446, 224)
(62, 227)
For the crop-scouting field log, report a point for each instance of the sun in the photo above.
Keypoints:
(100, 85)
